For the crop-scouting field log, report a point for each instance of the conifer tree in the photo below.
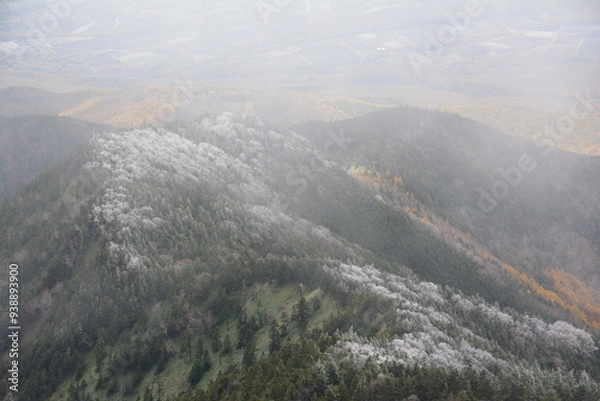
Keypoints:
(274, 337)
(206, 362)
(227, 345)
(301, 315)
(249, 351)
(216, 342)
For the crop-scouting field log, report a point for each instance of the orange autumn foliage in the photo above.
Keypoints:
(372, 175)
(398, 181)
(585, 315)
(576, 292)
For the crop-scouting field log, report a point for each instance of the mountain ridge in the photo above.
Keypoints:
(186, 232)
(472, 177)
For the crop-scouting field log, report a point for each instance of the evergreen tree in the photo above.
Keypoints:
(200, 348)
(301, 310)
(206, 362)
(285, 321)
(100, 355)
(196, 373)
(162, 361)
(249, 354)
(227, 345)
(274, 337)
(216, 342)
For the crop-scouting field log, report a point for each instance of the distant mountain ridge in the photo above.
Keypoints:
(27, 100)
(30, 145)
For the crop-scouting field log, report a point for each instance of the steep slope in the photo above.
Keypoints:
(236, 234)
(133, 220)
(414, 340)
(531, 208)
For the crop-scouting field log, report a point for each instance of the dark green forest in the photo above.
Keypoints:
(228, 259)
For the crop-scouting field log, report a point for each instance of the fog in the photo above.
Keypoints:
(360, 48)
(512, 65)
(363, 198)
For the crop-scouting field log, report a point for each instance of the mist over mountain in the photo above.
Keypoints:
(30, 145)
(169, 232)
(531, 205)
(300, 200)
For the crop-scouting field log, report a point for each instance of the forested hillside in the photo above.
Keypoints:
(531, 209)
(227, 259)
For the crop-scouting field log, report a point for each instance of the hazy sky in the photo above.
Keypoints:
(492, 46)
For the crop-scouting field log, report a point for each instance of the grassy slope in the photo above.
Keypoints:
(271, 299)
